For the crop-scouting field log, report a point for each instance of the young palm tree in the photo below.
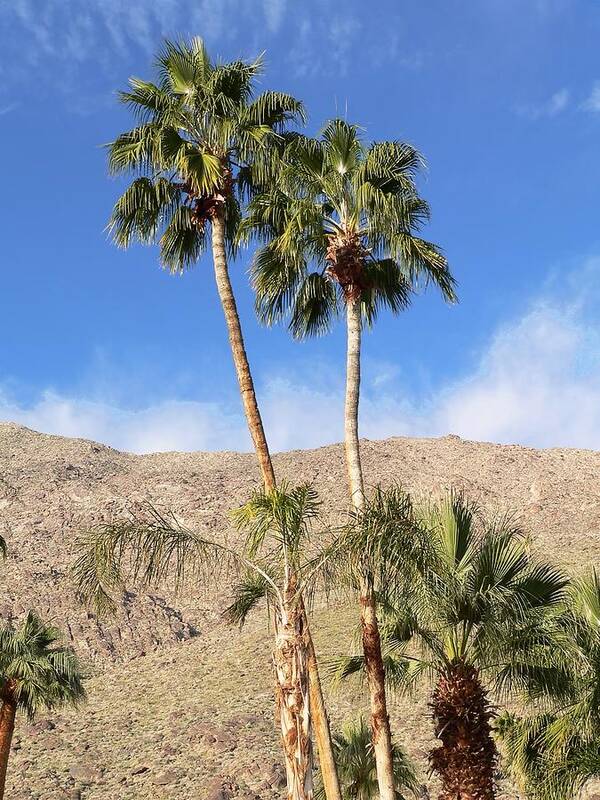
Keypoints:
(273, 564)
(200, 143)
(36, 672)
(340, 233)
(356, 764)
(475, 614)
(554, 754)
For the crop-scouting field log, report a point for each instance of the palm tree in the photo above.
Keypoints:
(36, 672)
(475, 615)
(272, 563)
(339, 230)
(556, 752)
(356, 764)
(201, 145)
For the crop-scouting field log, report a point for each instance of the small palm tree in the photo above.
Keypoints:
(272, 563)
(36, 672)
(476, 614)
(200, 144)
(339, 228)
(356, 764)
(555, 753)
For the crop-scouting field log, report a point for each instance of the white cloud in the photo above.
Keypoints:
(552, 107)
(592, 102)
(537, 382)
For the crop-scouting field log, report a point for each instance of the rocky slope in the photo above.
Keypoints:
(186, 702)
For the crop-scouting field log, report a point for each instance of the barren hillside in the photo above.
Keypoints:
(186, 707)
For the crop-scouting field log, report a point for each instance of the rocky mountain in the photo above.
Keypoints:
(180, 705)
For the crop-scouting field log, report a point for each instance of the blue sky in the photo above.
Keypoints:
(503, 99)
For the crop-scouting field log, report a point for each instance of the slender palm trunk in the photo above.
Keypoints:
(290, 657)
(238, 350)
(252, 412)
(353, 463)
(371, 642)
(466, 759)
(7, 726)
(331, 783)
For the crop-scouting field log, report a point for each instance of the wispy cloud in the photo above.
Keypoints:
(592, 101)
(7, 109)
(537, 382)
(552, 107)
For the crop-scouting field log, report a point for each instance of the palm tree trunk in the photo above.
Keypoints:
(290, 658)
(466, 760)
(329, 776)
(7, 726)
(238, 350)
(353, 463)
(236, 340)
(371, 642)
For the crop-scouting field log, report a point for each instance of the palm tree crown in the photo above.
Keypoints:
(341, 223)
(200, 141)
(37, 671)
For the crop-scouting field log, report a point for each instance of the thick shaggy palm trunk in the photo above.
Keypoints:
(290, 658)
(238, 351)
(321, 721)
(7, 726)
(466, 760)
(371, 642)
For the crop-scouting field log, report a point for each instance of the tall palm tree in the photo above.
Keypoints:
(36, 672)
(476, 614)
(200, 142)
(555, 753)
(273, 563)
(356, 764)
(339, 229)
(201, 145)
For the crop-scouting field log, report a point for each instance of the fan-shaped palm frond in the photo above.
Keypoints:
(555, 753)
(330, 192)
(474, 607)
(197, 127)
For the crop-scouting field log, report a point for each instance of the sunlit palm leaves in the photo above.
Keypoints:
(336, 187)
(555, 753)
(198, 131)
(42, 673)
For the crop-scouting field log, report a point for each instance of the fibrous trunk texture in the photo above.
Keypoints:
(380, 722)
(238, 350)
(7, 725)
(466, 759)
(290, 657)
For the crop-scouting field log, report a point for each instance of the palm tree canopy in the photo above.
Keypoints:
(477, 598)
(151, 548)
(281, 548)
(554, 753)
(355, 759)
(35, 668)
(200, 143)
(341, 221)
